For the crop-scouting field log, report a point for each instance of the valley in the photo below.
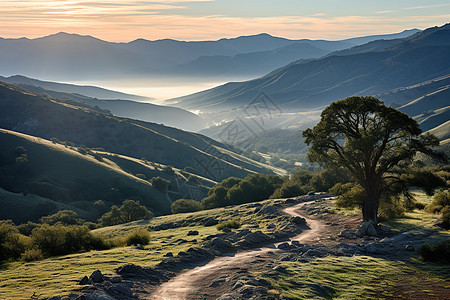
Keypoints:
(316, 169)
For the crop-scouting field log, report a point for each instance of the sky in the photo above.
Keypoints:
(124, 21)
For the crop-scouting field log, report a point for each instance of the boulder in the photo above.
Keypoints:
(84, 280)
(192, 232)
(283, 246)
(366, 228)
(99, 295)
(121, 290)
(347, 234)
(298, 220)
(220, 245)
(210, 222)
(370, 248)
(97, 276)
(168, 254)
(268, 210)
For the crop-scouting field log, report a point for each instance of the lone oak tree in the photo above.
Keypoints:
(369, 139)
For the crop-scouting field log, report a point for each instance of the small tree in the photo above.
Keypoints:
(160, 184)
(129, 211)
(369, 140)
(185, 205)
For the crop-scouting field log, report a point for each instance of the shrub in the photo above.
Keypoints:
(138, 236)
(129, 211)
(440, 200)
(439, 252)
(32, 255)
(27, 228)
(160, 184)
(445, 217)
(231, 224)
(390, 208)
(59, 239)
(185, 205)
(12, 243)
(352, 195)
(64, 217)
(289, 189)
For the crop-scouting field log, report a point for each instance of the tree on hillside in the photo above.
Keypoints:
(370, 140)
(129, 211)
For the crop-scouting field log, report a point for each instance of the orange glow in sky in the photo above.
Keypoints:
(123, 21)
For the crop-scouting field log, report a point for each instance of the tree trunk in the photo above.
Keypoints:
(370, 205)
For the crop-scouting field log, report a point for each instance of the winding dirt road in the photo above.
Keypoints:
(185, 285)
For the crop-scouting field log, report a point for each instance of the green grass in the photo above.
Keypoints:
(60, 275)
(357, 277)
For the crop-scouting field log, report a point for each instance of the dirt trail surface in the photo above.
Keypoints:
(187, 284)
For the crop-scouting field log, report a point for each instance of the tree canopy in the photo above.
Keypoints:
(369, 140)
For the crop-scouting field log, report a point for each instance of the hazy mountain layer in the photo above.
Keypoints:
(68, 57)
(48, 118)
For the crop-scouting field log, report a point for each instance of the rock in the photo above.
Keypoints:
(115, 279)
(283, 246)
(370, 248)
(253, 239)
(367, 228)
(210, 222)
(97, 276)
(295, 243)
(226, 230)
(121, 290)
(139, 247)
(268, 210)
(290, 201)
(168, 254)
(164, 226)
(298, 220)
(192, 232)
(314, 253)
(280, 234)
(99, 295)
(271, 226)
(311, 193)
(348, 234)
(84, 280)
(220, 245)
(409, 248)
(287, 257)
(217, 282)
(263, 282)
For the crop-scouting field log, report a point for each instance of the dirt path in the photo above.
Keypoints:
(186, 284)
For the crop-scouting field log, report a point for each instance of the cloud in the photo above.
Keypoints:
(129, 20)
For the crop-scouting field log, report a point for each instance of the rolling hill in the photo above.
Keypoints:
(48, 118)
(167, 115)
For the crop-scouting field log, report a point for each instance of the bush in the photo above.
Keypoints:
(445, 217)
(351, 195)
(289, 189)
(440, 200)
(138, 236)
(59, 239)
(439, 252)
(64, 217)
(185, 205)
(231, 224)
(160, 184)
(12, 242)
(32, 255)
(390, 208)
(129, 211)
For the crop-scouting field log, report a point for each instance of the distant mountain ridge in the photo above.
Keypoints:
(314, 83)
(74, 57)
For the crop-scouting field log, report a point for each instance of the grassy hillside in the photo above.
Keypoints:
(48, 177)
(49, 118)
